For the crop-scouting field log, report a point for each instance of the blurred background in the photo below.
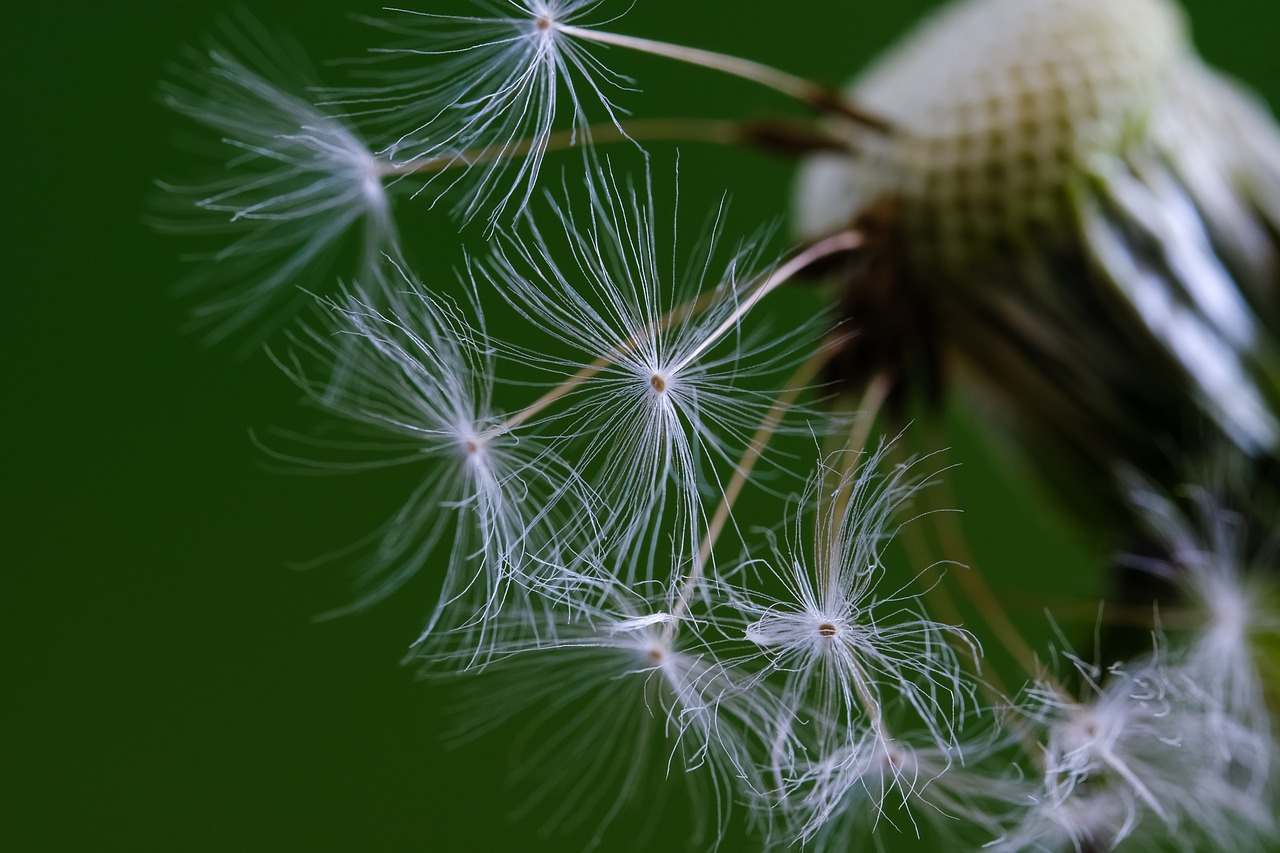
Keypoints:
(166, 685)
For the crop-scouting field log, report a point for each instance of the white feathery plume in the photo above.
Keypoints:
(296, 184)
(500, 82)
(424, 378)
(615, 677)
(875, 782)
(659, 358)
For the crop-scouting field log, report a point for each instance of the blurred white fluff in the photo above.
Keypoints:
(296, 184)
(1202, 554)
(1146, 752)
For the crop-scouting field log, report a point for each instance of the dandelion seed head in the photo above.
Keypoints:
(1075, 163)
(996, 103)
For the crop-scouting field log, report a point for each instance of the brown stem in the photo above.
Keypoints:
(755, 448)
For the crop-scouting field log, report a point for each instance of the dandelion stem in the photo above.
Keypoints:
(872, 402)
(975, 587)
(867, 700)
(827, 350)
(686, 309)
(1126, 773)
(919, 553)
(554, 394)
(1145, 618)
(986, 678)
(718, 132)
(842, 242)
(819, 97)
(841, 491)
(873, 399)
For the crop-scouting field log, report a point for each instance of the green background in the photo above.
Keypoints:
(165, 687)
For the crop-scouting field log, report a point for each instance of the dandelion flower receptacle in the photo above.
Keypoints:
(1090, 234)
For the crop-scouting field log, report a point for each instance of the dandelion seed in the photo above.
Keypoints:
(1202, 555)
(298, 183)
(628, 683)
(425, 378)
(848, 651)
(489, 104)
(1158, 751)
(874, 784)
(660, 394)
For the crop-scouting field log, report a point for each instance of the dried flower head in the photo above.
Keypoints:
(1092, 211)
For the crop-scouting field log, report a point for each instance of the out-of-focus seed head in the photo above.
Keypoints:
(996, 105)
